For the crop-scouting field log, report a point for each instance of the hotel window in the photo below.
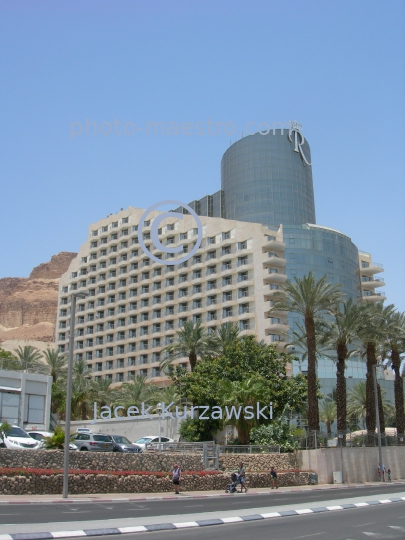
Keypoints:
(182, 278)
(110, 325)
(109, 364)
(183, 292)
(242, 276)
(157, 272)
(121, 322)
(169, 282)
(227, 296)
(170, 310)
(169, 268)
(100, 327)
(226, 250)
(242, 245)
(63, 312)
(134, 228)
(183, 307)
(196, 274)
(157, 314)
(99, 340)
(196, 319)
(169, 325)
(169, 296)
(212, 316)
(110, 312)
(183, 264)
(120, 349)
(242, 260)
(110, 338)
(132, 333)
(211, 240)
(111, 298)
(103, 240)
(211, 285)
(211, 300)
(156, 342)
(121, 335)
(156, 327)
(122, 283)
(133, 319)
(133, 305)
(157, 299)
(226, 265)
(89, 355)
(196, 304)
(102, 265)
(145, 289)
(143, 372)
(156, 357)
(120, 363)
(182, 321)
(243, 308)
(226, 235)
(197, 259)
(211, 270)
(226, 281)
(144, 316)
(244, 325)
(157, 285)
(196, 289)
(144, 331)
(227, 312)
(211, 255)
(111, 286)
(99, 353)
(131, 361)
(144, 345)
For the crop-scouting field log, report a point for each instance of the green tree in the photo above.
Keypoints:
(57, 364)
(357, 403)
(81, 390)
(226, 336)
(30, 359)
(327, 413)
(371, 333)
(278, 433)
(395, 343)
(310, 298)
(239, 394)
(192, 341)
(136, 391)
(340, 334)
(245, 359)
(8, 361)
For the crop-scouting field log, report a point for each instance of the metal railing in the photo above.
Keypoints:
(181, 447)
(318, 440)
(249, 449)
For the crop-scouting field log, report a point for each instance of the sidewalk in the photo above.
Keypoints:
(123, 497)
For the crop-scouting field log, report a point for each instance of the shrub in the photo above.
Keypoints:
(277, 433)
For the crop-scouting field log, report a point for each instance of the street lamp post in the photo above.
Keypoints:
(69, 392)
(377, 416)
(159, 410)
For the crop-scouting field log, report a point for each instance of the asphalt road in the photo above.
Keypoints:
(72, 512)
(376, 522)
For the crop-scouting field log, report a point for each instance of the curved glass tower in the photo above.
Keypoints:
(264, 180)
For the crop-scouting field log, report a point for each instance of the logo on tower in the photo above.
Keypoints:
(295, 128)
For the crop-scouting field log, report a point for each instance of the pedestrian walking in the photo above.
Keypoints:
(383, 470)
(274, 481)
(176, 473)
(389, 475)
(242, 477)
(379, 472)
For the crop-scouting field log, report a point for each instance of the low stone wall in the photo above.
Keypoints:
(151, 462)
(101, 461)
(258, 462)
(90, 483)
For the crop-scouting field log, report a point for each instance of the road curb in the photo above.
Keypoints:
(191, 524)
(250, 493)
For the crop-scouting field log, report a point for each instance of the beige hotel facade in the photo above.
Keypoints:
(135, 305)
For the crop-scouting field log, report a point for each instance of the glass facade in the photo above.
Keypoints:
(265, 181)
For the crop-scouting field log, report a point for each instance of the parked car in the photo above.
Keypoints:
(122, 444)
(18, 439)
(41, 435)
(92, 442)
(152, 439)
(83, 430)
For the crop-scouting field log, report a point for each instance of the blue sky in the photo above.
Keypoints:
(336, 67)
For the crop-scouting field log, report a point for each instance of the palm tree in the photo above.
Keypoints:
(327, 413)
(30, 359)
(240, 394)
(192, 341)
(81, 390)
(371, 334)
(310, 298)
(166, 395)
(102, 393)
(57, 364)
(356, 401)
(227, 334)
(340, 334)
(136, 391)
(395, 334)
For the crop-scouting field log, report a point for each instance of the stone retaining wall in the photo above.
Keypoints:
(258, 462)
(151, 462)
(88, 484)
(101, 461)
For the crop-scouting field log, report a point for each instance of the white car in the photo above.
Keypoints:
(152, 441)
(41, 435)
(18, 439)
(83, 430)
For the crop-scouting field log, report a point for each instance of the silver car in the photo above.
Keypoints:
(93, 442)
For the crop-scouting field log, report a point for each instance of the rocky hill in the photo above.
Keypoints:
(28, 305)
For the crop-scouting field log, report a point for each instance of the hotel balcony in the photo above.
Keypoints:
(374, 283)
(374, 297)
(275, 278)
(275, 245)
(274, 261)
(277, 328)
(375, 268)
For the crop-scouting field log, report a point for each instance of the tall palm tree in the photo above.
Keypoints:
(340, 334)
(136, 391)
(371, 334)
(102, 392)
(356, 401)
(81, 390)
(57, 364)
(30, 359)
(310, 298)
(241, 394)
(395, 336)
(227, 334)
(192, 341)
(327, 413)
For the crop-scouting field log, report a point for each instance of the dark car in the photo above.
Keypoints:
(122, 444)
